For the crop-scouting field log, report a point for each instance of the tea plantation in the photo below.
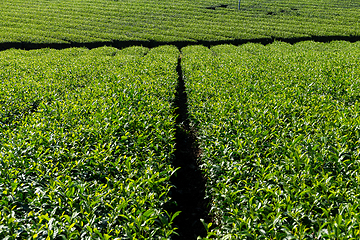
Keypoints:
(111, 21)
(102, 100)
(279, 129)
(86, 143)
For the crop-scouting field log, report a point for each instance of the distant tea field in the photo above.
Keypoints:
(85, 21)
(179, 120)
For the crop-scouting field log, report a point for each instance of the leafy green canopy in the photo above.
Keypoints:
(279, 127)
(84, 21)
(85, 143)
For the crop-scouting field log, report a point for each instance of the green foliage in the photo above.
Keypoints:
(92, 159)
(87, 138)
(67, 21)
(279, 132)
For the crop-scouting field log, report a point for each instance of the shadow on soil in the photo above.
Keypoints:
(217, 6)
(189, 184)
(179, 44)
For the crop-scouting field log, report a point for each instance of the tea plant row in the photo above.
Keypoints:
(66, 21)
(85, 143)
(279, 129)
(87, 138)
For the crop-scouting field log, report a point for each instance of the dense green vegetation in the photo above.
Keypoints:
(85, 143)
(87, 137)
(279, 129)
(65, 21)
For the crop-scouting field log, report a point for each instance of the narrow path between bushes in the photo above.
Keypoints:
(179, 44)
(189, 191)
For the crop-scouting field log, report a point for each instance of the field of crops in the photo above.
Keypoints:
(279, 129)
(86, 142)
(109, 21)
(88, 137)
(179, 120)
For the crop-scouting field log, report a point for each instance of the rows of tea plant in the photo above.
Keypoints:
(279, 129)
(67, 21)
(85, 143)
